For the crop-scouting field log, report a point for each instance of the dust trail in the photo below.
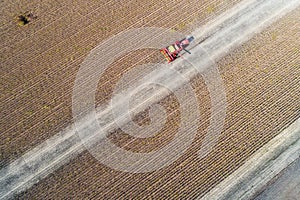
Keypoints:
(231, 29)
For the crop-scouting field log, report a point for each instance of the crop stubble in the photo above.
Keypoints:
(262, 85)
(40, 60)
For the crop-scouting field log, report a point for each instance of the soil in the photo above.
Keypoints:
(261, 79)
(39, 62)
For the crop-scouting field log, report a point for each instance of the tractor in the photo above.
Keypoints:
(172, 52)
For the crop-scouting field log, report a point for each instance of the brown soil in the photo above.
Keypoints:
(39, 61)
(262, 86)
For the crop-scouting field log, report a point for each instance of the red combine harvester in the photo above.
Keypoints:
(172, 52)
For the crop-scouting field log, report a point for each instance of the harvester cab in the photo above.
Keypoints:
(172, 52)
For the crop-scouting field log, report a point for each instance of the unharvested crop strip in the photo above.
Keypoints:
(52, 48)
(187, 167)
(62, 5)
(230, 43)
(90, 23)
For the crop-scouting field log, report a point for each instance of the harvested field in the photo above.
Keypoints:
(262, 86)
(39, 62)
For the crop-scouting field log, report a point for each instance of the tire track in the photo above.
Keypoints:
(27, 163)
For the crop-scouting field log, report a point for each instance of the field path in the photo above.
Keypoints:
(222, 35)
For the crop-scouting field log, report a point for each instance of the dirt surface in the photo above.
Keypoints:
(39, 61)
(261, 80)
(285, 186)
(266, 166)
(262, 86)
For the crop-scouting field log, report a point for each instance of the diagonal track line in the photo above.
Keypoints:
(224, 34)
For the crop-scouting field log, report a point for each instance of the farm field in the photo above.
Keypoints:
(262, 85)
(39, 62)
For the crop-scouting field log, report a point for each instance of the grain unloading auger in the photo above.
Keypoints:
(172, 52)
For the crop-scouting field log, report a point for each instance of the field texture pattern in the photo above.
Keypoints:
(39, 63)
